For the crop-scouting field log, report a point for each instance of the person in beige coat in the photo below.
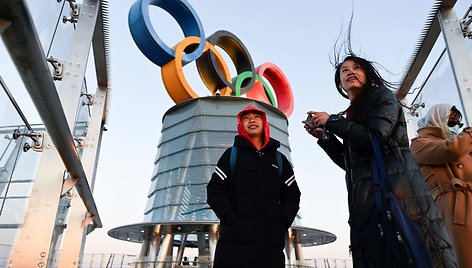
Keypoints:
(445, 160)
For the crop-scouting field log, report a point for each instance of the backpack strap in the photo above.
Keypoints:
(232, 160)
(280, 164)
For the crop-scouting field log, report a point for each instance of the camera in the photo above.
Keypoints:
(308, 121)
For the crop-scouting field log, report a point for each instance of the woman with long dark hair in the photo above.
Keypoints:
(374, 110)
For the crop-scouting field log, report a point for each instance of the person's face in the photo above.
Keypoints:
(454, 119)
(352, 78)
(252, 123)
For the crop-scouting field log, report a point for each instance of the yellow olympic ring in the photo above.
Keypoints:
(174, 79)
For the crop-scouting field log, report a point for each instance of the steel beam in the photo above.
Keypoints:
(429, 36)
(24, 47)
(460, 58)
(100, 45)
(75, 234)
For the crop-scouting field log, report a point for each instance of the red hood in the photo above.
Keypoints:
(243, 132)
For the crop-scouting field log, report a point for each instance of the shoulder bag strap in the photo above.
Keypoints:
(378, 173)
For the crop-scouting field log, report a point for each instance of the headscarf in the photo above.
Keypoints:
(242, 132)
(437, 116)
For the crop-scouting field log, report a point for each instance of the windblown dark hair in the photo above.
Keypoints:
(372, 75)
(374, 79)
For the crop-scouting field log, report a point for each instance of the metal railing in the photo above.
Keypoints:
(132, 261)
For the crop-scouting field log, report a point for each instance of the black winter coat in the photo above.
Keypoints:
(255, 208)
(383, 116)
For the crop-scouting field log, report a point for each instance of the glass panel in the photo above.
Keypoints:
(16, 166)
(7, 237)
(15, 190)
(61, 41)
(83, 113)
(62, 38)
(441, 87)
(189, 158)
(13, 210)
(198, 140)
(12, 79)
(192, 175)
(46, 14)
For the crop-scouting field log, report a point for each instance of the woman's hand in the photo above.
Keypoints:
(315, 132)
(318, 120)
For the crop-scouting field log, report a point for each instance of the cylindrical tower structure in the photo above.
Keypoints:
(195, 133)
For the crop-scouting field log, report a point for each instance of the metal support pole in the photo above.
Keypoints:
(298, 252)
(289, 248)
(297, 246)
(156, 242)
(460, 58)
(165, 254)
(213, 239)
(144, 253)
(180, 252)
(203, 254)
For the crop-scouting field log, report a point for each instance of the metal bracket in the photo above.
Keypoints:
(91, 227)
(79, 142)
(4, 24)
(37, 137)
(87, 220)
(67, 185)
(465, 24)
(74, 13)
(412, 109)
(90, 99)
(58, 68)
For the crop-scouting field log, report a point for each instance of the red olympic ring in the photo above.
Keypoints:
(211, 66)
(261, 92)
(280, 84)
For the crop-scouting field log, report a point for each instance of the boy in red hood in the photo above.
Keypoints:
(257, 205)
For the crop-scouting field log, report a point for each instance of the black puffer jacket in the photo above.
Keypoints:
(255, 208)
(383, 117)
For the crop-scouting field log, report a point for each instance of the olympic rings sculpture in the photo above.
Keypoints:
(211, 65)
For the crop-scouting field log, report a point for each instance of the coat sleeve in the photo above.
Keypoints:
(382, 116)
(334, 149)
(218, 190)
(428, 151)
(290, 196)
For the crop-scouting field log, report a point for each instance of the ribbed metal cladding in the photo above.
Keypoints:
(194, 135)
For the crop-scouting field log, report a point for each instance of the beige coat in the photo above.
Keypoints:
(446, 165)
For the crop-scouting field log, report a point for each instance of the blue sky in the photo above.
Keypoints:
(298, 36)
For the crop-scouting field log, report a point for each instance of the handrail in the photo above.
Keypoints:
(24, 47)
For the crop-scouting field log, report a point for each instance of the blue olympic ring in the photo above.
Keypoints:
(149, 42)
